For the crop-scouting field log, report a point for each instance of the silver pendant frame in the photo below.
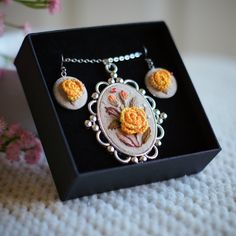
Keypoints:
(94, 124)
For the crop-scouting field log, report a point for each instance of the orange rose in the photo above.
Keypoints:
(133, 120)
(160, 80)
(73, 89)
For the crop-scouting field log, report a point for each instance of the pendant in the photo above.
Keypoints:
(70, 92)
(125, 120)
(161, 83)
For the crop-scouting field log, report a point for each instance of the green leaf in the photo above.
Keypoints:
(132, 102)
(146, 135)
(114, 124)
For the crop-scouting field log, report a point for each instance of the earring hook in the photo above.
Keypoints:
(147, 59)
(145, 51)
(62, 60)
(63, 68)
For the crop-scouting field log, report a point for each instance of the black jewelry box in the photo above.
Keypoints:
(79, 164)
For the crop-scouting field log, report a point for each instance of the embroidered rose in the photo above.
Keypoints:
(72, 88)
(133, 120)
(123, 95)
(113, 101)
(160, 80)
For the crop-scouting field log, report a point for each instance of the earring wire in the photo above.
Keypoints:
(63, 68)
(149, 61)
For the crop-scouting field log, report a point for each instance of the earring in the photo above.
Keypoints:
(160, 82)
(69, 91)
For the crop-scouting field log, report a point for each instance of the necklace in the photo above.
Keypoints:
(99, 60)
(124, 118)
(106, 61)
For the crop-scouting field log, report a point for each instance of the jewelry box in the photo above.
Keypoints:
(79, 164)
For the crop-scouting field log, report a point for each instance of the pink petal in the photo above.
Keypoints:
(54, 6)
(13, 152)
(125, 140)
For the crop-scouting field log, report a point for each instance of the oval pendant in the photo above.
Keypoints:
(70, 92)
(161, 83)
(126, 121)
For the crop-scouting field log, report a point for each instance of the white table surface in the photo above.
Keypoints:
(202, 204)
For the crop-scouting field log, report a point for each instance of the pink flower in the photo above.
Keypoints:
(13, 130)
(26, 27)
(7, 2)
(13, 151)
(27, 139)
(54, 6)
(32, 156)
(14, 141)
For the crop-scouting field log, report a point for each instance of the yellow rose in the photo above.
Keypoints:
(160, 80)
(133, 120)
(73, 89)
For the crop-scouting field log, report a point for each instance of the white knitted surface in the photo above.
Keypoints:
(202, 204)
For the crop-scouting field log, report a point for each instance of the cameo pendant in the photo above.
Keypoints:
(125, 120)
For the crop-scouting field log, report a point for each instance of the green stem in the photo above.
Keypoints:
(31, 1)
(7, 141)
(33, 4)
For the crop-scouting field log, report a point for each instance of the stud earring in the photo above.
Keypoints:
(69, 91)
(160, 82)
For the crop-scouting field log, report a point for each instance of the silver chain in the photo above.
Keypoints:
(108, 62)
(105, 60)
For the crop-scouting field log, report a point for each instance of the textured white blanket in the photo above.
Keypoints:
(202, 204)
